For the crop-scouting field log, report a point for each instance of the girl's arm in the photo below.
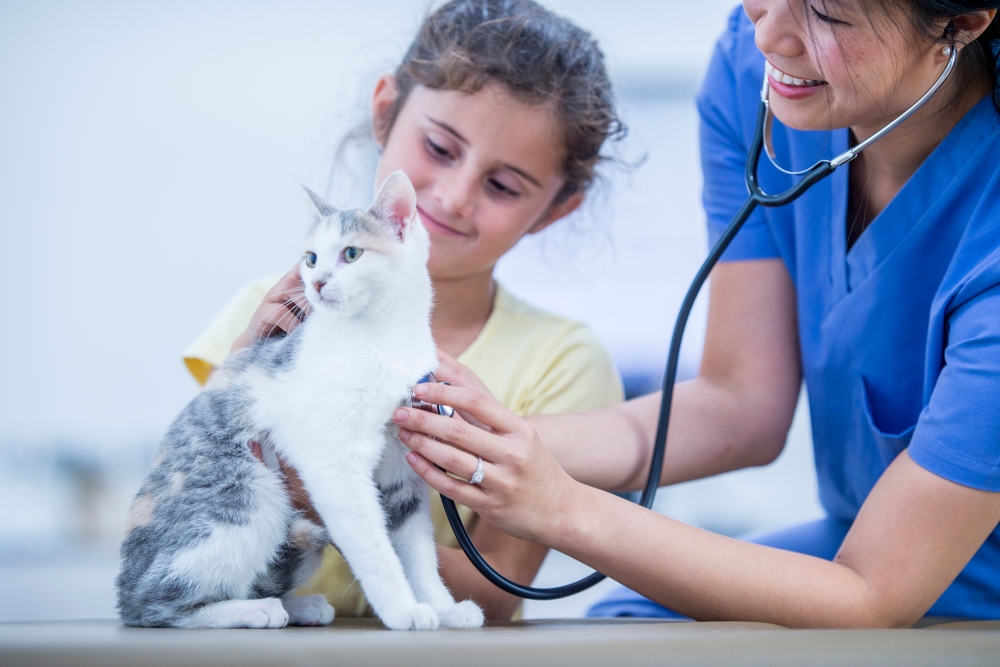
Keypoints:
(516, 559)
(735, 413)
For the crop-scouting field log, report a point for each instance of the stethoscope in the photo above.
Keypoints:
(757, 196)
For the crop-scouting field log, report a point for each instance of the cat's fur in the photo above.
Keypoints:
(213, 540)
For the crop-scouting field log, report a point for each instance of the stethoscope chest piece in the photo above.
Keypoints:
(414, 402)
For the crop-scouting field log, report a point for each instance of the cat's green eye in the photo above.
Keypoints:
(310, 259)
(351, 254)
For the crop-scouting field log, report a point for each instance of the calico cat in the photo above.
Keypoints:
(213, 539)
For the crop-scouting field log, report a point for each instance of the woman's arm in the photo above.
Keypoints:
(735, 413)
(913, 535)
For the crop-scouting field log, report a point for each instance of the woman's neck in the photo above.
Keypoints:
(461, 308)
(881, 170)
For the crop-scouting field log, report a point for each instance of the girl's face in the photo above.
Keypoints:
(853, 68)
(486, 168)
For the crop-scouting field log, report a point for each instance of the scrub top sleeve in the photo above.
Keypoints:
(724, 144)
(958, 434)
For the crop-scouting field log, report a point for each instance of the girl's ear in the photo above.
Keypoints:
(557, 211)
(383, 100)
(396, 201)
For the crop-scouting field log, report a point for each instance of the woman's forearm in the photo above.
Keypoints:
(912, 537)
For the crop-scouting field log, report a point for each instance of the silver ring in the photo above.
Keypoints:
(477, 477)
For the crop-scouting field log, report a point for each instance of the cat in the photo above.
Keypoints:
(213, 539)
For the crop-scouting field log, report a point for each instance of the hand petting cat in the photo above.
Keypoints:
(282, 309)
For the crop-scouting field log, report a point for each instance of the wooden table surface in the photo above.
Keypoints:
(550, 643)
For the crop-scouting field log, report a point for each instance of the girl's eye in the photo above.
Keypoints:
(502, 189)
(437, 150)
(351, 254)
(310, 259)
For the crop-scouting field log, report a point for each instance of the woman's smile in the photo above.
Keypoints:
(789, 86)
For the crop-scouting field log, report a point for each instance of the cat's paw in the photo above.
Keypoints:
(465, 614)
(308, 610)
(267, 613)
(421, 617)
(262, 613)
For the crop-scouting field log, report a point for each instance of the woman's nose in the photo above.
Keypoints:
(778, 27)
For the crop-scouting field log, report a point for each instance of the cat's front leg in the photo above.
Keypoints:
(412, 535)
(348, 503)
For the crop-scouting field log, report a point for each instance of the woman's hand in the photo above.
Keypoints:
(282, 309)
(524, 491)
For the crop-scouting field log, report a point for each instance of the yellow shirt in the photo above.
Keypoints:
(534, 362)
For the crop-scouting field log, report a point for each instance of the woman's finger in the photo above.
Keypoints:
(461, 492)
(456, 461)
(451, 430)
(480, 404)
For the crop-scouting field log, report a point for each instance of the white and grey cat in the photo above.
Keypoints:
(213, 539)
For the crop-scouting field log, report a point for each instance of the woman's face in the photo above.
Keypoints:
(837, 65)
(486, 168)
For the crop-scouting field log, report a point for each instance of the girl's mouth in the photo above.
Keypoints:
(790, 86)
(434, 225)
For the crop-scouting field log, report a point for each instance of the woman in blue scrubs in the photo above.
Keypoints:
(880, 288)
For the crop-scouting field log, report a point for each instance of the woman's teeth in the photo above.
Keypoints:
(781, 77)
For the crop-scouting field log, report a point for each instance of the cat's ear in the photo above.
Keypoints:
(396, 201)
(322, 207)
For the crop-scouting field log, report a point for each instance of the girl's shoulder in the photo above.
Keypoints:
(535, 361)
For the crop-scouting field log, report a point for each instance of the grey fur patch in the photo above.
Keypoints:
(206, 446)
(399, 502)
(274, 354)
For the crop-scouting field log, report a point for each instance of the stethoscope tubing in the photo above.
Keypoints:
(756, 197)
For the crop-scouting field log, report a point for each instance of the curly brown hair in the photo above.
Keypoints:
(539, 57)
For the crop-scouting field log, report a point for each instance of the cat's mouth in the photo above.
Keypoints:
(327, 300)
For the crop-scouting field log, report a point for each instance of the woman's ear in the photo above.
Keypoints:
(557, 211)
(383, 100)
(968, 27)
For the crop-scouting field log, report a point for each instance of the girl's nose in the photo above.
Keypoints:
(778, 28)
(457, 192)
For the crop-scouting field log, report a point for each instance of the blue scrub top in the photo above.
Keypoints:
(900, 334)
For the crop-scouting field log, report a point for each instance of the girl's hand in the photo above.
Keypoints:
(282, 309)
(524, 491)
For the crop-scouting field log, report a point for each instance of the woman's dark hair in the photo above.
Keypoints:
(978, 61)
(538, 57)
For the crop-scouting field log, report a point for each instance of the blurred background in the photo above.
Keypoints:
(150, 162)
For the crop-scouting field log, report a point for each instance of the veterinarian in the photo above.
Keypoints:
(880, 287)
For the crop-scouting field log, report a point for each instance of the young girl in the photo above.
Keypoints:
(497, 114)
(880, 288)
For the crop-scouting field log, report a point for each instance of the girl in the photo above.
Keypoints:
(497, 114)
(880, 286)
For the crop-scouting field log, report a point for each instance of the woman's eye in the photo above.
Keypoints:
(437, 150)
(310, 258)
(351, 254)
(826, 19)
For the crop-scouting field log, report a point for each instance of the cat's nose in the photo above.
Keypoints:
(319, 285)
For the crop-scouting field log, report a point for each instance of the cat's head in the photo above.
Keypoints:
(360, 259)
